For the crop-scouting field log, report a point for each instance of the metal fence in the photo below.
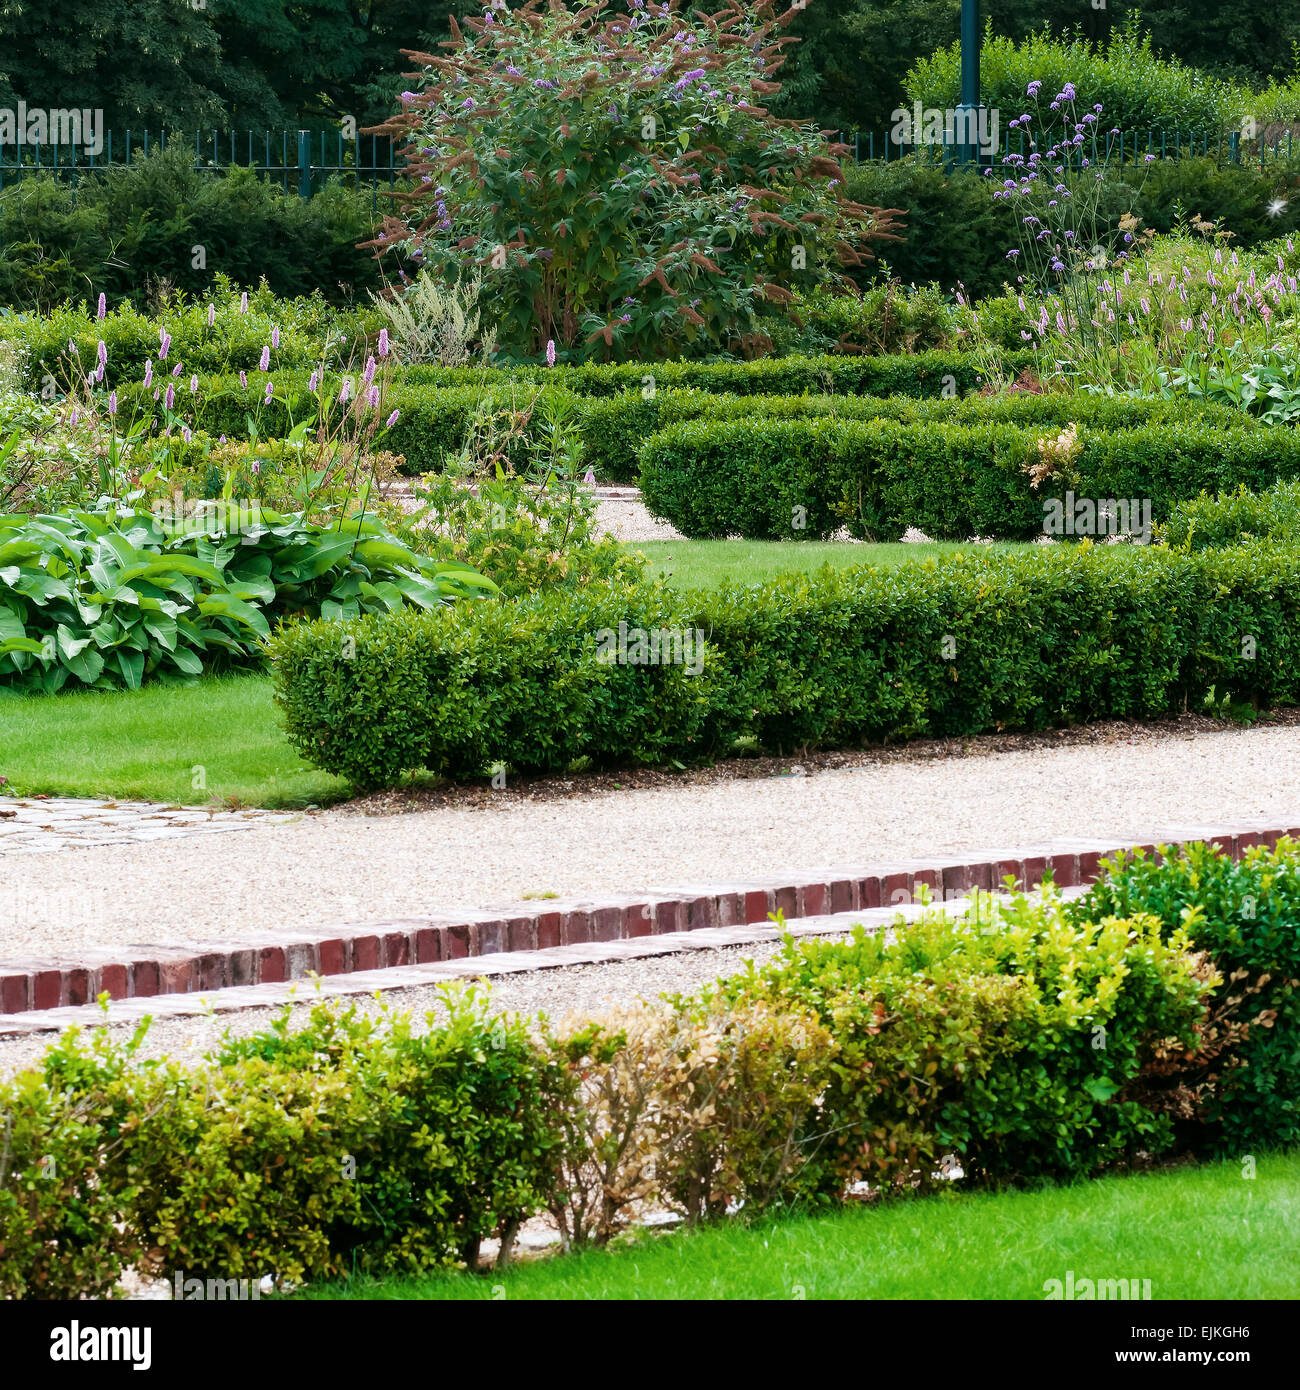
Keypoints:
(298, 160)
(301, 160)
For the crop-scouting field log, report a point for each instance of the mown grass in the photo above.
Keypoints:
(148, 744)
(1194, 1232)
(707, 564)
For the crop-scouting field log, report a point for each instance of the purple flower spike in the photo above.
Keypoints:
(264, 362)
(392, 420)
(102, 311)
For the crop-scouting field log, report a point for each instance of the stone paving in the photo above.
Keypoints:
(36, 825)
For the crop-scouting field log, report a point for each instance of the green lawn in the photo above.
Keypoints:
(1203, 1232)
(706, 564)
(147, 743)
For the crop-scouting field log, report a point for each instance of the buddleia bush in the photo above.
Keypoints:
(617, 181)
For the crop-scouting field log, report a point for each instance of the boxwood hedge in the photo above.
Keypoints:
(770, 478)
(844, 657)
(433, 419)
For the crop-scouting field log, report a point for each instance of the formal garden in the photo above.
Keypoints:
(646, 443)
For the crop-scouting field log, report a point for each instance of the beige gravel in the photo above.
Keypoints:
(628, 520)
(577, 990)
(332, 867)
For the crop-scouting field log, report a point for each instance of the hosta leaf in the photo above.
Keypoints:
(188, 661)
(131, 665)
(86, 666)
(70, 646)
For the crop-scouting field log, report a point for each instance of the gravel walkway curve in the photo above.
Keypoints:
(336, 867)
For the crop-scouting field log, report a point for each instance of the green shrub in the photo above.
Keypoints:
(348, 1145)
(1008, 1042)
(618, 237)
(1231, 518)
(528, 686)
(956, 233)
(782, 478)
(1246, 915)
(617, 409)
(130, 232)
(885, 318)
(844, 657)
(310, 330)
(111, 599)
(64, 1182)
(1138, 89)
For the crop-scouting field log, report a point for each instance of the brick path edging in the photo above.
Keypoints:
(280, 957)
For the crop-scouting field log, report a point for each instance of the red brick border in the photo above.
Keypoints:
(279, 957)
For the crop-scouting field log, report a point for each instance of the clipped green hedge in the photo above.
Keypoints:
(1231, 518)
(764, 478)
(433, 419)
(844, 657)
(901, 374)
(1036, 1039)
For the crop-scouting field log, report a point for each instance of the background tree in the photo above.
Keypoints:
(147, 63)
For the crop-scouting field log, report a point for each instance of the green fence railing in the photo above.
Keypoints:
(301, 160)
(298, 160)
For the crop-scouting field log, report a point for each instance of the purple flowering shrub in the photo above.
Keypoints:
(616, 180)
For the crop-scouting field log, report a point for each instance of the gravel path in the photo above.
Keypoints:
(336, 867)
(577, 990)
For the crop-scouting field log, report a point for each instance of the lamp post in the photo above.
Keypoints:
(968, 112)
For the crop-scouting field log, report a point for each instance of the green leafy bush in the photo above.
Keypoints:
(1007, 1042)
(64, 1179)
(1246, 915)
(1139, 90)
(885, 318)
(307, 330)
(349, 1144)
(616, 407)
(805, 478)
(844, 657)
(108, 599)
(131, 232)
(957, 235)
(528, 686)
(1234, 517)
